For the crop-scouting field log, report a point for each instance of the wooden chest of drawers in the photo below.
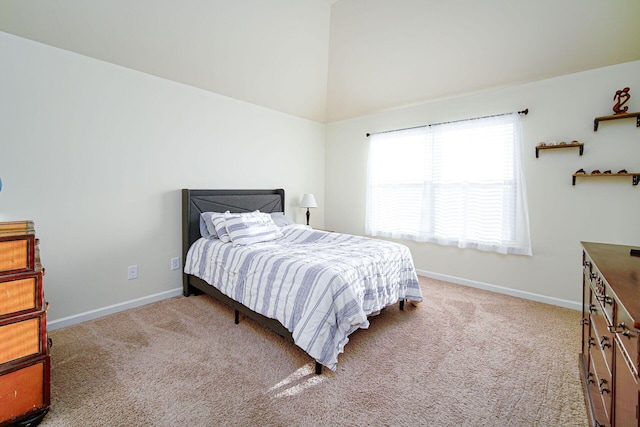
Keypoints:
(610, 357)
(24, 353)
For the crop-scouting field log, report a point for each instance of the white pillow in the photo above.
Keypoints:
(280, 219)
(249, 228)
(206, 225)
(218, 222)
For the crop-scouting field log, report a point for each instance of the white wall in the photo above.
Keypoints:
(96, 155)
(561, 215)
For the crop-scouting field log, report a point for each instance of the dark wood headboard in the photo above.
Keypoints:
(194, 202)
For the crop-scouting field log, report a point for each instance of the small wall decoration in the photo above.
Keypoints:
(621, 97)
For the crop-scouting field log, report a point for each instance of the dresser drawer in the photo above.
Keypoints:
(589, 308)
(17, 253)
(626, 392)
(603, 296)
(628, 337)
(595, 406)
(601, 380)
(24, 390)
(602, 340)
(22, 336)
(20, 293)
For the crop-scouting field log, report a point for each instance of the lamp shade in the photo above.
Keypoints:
(308, 201)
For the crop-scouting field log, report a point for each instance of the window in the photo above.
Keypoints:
(456, 183)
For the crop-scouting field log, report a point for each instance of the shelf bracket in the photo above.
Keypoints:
(636, 179)
(595, 125)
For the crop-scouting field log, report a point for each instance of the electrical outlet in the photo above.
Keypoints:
(175, 263)
(132, 272)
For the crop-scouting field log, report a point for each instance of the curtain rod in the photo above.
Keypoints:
(525, 112)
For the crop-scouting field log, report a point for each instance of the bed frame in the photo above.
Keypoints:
(194, 202)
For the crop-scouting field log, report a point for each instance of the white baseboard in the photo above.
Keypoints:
(502, 290)
(111, 309)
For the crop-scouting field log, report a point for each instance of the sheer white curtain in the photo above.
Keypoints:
(458, 183)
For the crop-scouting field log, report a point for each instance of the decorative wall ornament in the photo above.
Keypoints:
(621, 97)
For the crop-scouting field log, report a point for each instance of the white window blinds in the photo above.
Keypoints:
(458, 183)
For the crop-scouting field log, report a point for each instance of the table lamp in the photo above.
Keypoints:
(308, 201)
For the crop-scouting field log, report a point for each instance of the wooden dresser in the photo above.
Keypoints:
(610, 357)
(24, 351)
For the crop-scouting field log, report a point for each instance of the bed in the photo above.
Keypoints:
(309, 286)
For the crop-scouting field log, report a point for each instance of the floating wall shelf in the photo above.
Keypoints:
(616, 117)
(580, 145)
(635, 177)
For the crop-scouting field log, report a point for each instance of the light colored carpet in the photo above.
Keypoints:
(464, 357)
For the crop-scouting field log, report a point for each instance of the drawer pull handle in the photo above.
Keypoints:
(592, 308)
(605, 299)
(603, 390)
(592, 342)
(621, 328)
(604, 342)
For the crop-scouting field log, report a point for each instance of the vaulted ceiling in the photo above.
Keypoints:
(328, 60)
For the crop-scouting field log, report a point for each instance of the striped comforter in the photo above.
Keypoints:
(321, 286)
